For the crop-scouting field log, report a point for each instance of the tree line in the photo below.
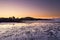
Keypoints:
(13, 19)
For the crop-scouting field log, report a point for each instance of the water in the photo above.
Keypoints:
(30, 31)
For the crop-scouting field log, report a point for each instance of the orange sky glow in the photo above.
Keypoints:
(27, 9)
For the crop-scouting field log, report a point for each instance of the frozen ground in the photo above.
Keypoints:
(30, 31)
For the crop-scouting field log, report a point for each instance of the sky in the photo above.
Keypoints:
(30, 8)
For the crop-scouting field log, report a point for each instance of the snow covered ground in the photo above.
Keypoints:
(30, 31)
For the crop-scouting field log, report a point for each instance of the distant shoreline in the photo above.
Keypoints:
(20, 20)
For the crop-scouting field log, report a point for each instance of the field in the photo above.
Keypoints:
(30, 31)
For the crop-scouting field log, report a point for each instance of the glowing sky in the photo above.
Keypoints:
(33, 8)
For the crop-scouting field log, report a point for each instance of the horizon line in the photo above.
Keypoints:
(31, 16)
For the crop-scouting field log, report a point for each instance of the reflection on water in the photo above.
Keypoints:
(30, 31)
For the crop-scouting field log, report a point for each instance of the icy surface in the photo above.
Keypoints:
(30, 31)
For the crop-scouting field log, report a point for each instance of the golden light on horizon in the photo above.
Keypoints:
(27, 9)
